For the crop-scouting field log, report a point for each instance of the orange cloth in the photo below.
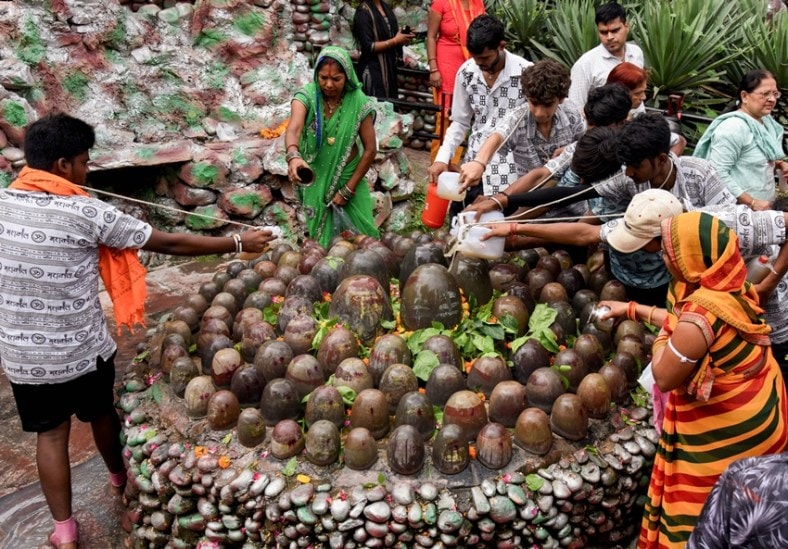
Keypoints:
(121, 270)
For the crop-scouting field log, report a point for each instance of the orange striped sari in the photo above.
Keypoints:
(734, 404)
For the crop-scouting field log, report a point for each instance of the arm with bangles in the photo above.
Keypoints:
(510, 203)
(573, 234)
(433, 31)
(292, 137)
(650, 314)
(190, 244)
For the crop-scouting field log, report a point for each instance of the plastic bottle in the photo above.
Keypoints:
(758, 268)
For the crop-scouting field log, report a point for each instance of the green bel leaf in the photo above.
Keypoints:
(426, 361)
(290, 467)
(534, 482)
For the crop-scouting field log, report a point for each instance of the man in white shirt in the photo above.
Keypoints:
(487, 87)
(591, 70)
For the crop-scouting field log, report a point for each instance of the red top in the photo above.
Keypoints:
(451, 52)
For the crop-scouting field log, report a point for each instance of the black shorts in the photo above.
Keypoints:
(91, 396)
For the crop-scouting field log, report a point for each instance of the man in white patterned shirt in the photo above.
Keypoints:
(591, 70)
(486, 89)
(534, 131)
(55, 348)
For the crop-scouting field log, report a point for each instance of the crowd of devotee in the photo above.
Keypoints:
(689, 225)
(677, 230)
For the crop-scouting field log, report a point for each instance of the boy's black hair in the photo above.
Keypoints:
(484, 32)
(595, 155)
(56, 136)
(545, 81)
(647, 136)
(610, 12)
(607, 105)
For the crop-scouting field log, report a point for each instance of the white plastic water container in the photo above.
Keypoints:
(449, 186)
(758, 268)
(469, 233)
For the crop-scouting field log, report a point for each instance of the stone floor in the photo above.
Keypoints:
(24, 518)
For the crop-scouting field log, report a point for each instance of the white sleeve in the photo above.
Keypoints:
(461, 117)
(578, 90)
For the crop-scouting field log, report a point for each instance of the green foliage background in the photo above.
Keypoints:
(697, 48)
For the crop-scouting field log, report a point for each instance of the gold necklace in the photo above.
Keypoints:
(330, 112)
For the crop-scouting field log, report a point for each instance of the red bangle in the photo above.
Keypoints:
(513, 229)
(632, 310)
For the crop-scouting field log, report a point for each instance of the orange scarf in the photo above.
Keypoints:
(713, 275)
(463, 20)
(121, 270)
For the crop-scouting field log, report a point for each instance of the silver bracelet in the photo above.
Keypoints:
(239, 247)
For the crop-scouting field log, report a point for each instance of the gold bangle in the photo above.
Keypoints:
(651, 314)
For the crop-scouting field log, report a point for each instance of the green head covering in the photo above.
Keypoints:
(341, 56)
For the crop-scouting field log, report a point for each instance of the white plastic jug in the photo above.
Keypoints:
(469, 233)
(449, 186)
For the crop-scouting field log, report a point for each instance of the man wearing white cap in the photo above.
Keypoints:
(639, 230)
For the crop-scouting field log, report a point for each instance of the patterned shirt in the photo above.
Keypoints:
(477, 108)
(760, 233)
(748, 506)
(531, 149)
(52, 326)
(591, 70)
(697, 185)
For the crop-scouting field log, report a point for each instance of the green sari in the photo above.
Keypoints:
(326, 146)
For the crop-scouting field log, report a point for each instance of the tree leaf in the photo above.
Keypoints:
(348, 394)
(227, 438)
(542, 317)
(495, 331)
(534, 482)
(290, 467)
(438, 411)
(426, 361)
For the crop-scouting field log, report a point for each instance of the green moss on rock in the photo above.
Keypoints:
(14, 113)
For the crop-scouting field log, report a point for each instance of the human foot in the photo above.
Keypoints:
(66, 534)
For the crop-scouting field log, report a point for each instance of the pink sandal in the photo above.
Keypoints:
(66, 531)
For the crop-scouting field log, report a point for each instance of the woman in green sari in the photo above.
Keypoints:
(332, 132)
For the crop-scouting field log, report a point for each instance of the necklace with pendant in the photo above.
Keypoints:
(330, 109)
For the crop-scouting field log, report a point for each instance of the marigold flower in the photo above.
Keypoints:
(224, 462)
(472, 452)
(200, 451)
(481, 396)
(273, 133)
(468, 366)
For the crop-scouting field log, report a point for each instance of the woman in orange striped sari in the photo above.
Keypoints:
(727, 397)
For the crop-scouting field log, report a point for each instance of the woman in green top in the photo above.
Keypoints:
(332, 132)
(746, 145)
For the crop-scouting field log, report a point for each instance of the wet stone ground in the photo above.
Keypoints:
(24, 518)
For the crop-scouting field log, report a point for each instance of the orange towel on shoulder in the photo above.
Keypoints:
(121, 270)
